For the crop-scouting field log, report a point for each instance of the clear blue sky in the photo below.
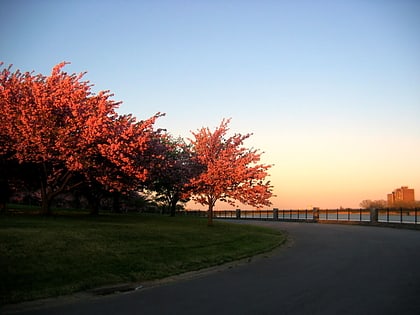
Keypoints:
(330, 89)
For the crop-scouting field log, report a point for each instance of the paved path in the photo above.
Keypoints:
(328, 269)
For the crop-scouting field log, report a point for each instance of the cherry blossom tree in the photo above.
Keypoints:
(172, 180)
(233, 172)
(132, 152)
(70, 134)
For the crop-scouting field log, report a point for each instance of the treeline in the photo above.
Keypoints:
(58, 138)
(383, 204)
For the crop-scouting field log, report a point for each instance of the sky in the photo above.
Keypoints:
(330, 90)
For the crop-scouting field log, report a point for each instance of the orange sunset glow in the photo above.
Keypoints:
(329, 93)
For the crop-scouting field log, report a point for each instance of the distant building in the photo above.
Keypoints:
(404, 194)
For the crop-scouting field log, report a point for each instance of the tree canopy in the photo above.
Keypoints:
(71, 135)
(172, 181)
(67, 138)
(232, 171)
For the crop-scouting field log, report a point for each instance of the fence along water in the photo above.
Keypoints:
(366, 216)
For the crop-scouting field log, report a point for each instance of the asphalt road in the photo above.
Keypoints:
(324, 269)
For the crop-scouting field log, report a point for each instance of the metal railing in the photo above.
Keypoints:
(353, 215)
(372, 216)
(401, 215)
(295, 215)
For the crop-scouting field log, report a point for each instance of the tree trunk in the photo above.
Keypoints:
(4, 193)
(46, 205)
(45, 199)
(93, 205)
(93, 197)
(210, 215)
(173, 207)
(116, 207)
(4, 185)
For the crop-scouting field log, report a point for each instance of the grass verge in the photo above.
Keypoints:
(50, 256)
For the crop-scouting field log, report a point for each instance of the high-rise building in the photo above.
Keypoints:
(401, 194)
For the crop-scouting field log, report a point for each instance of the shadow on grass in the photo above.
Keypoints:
(69, 252)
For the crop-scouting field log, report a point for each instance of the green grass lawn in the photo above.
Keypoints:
(51, 256)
